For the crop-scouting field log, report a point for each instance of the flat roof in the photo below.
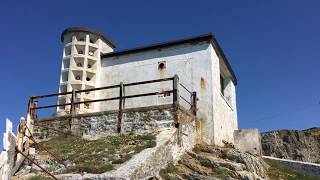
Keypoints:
(205, 37)
(87, 30)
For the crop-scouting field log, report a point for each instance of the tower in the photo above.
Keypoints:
(81, 63)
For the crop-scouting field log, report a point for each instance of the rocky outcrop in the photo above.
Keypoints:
(212, 162)
(296, 145)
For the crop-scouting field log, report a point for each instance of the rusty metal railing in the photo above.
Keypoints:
(32, 106)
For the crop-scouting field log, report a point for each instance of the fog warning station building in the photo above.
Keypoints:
(91, 61)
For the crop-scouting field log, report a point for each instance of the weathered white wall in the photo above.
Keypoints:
(197, 66)
(224, 110)
(248, 140)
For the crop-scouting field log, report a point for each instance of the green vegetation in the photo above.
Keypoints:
(170, 169)
(97, 156)
(38, 177)
(278, 171)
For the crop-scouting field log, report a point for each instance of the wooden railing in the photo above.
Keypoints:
(32, 107)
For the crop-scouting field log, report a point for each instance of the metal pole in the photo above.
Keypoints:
(32, 161)
(42, 147)
(120, 107)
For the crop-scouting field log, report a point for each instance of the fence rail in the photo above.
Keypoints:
(175, 100)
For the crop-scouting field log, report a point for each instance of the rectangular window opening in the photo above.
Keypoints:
(222, 85)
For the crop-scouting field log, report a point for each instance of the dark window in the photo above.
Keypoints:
(222, 85)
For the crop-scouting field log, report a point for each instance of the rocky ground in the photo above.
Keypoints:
(226, 163)
(297, 145)
(211, 162)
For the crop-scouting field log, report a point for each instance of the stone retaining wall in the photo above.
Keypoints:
(171, 144)
(311, 169)
(95, 125)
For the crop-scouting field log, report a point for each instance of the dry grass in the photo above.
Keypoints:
(100, 155)
(278, 171)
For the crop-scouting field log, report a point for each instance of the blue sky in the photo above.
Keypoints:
(273, 47)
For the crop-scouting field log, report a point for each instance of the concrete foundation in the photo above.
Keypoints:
(248, 140)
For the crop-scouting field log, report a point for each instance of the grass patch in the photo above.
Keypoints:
(278, 171)
(100, 155)
(170, 169)
(38, 177)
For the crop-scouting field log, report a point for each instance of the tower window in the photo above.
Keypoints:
(88, 79)
(80, 52)
(79, 64)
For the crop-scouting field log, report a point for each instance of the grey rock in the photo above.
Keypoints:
(297, 145)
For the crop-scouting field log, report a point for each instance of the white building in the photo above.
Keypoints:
(89, 61)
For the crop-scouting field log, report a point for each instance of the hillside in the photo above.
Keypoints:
(93, 159)
(73, 154)
(300, 145)
(214, 163)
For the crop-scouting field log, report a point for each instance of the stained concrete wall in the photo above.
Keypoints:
(248, 140)
(224, 105)
(198, 67)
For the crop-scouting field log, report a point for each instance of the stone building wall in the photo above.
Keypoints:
(49, 128)
(95, 125)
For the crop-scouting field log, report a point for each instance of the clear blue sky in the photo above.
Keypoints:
(273, 47)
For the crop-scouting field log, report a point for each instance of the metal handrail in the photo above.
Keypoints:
(185, 88)
(32, 103)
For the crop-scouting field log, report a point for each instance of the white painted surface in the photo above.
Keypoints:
(197, 65)
(192, 63)
(293, 161)
(81, 67)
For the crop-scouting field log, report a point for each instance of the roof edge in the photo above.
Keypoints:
(220, 52)
(87, 30)
(205, 37)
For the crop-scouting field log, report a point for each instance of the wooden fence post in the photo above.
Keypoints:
(194, 103)
(176, 98)
(120, 107)
(73, 108)
(176, 90)
(31, 107)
